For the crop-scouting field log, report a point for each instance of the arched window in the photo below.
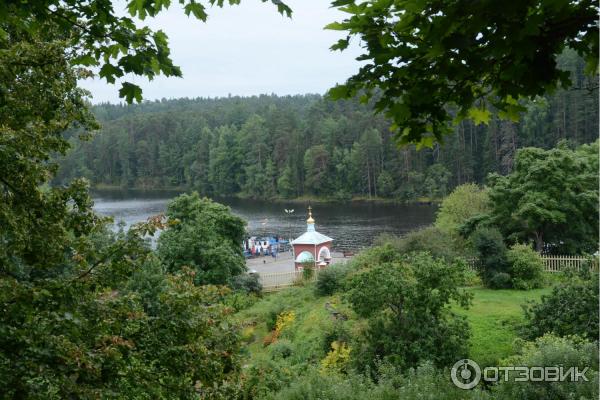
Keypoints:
(305, 257)
(324, 254)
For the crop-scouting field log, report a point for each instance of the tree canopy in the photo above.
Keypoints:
(99, 37)
(204, 236)
(429, 63)
(86, 313)
(287, 146)
(551, 197)
(406, 301)
(466, 201)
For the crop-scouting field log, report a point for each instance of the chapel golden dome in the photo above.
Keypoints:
(310, 219)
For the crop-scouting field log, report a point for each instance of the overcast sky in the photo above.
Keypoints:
(246, 50)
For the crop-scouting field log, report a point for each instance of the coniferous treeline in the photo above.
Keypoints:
(273, 146)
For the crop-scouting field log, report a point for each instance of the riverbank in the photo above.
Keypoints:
(306, 199)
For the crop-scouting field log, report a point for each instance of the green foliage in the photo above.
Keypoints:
(281, 349)
(466, 201)
(149, 283)
(420, 382)
(247, 283)
(571, 309)
(430, 239)
(78, 337)
(552, 351)
(499, 280)
(472, 278)
(491, 253)
(240, 300)
(309, 337)
(316, 165)
(339, 332)
(526, 267)
(436, 181)
(39, 100)
(204, 236)
(551, 197)
(285, 183)
(116, 45)
(406, 301)
(426, 62)
(271, 317)
(385, 184)
(338, 358)
(224, 163)
(493, 317)
(86, 313)
(331, 279)
(308, 270)
(255, 147)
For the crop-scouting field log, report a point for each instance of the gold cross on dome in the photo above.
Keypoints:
(310, 219)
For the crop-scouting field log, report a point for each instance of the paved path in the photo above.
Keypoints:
(283, 262)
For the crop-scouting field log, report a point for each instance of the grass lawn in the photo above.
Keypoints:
(494, 318)
(311, 321)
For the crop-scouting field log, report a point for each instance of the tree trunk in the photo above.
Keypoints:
(539, 242)
(369, 178)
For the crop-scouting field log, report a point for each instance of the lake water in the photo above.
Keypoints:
(351, 225)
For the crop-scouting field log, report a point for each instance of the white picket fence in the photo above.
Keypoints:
(560, 263)
(274, 281)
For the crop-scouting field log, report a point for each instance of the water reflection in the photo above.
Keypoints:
(352, 225)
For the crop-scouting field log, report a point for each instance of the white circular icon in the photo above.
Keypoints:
(465, 374)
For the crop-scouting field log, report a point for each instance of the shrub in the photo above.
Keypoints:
(281, 349)
(403, 299)
(571, 309)
(271, 317)
(284, 320)
(240, 300)
(266, 376)
(338, 359)
(202, 221)
(424, 382)
(330, 279)
(248, 283)
(430, 239)
(337, 333)
(471, 278)
(526, 267)
(316, 385)
(308, 270)
(247, 334)
(491, 252)
(466, 201)
(342, 196)
(552, 351)
(500, 280)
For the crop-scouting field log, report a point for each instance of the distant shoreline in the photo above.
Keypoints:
(174, 191)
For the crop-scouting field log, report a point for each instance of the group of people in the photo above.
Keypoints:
(259, 247)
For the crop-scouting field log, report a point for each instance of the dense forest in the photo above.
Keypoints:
(89, 312)
(272, 146)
